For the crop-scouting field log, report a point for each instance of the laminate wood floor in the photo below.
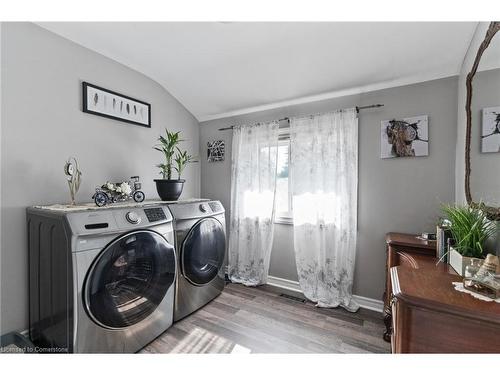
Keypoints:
(259, 320)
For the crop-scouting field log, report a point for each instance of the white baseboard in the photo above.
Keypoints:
(284, 283)
(369, 303)
(364, 302)
(294, 286)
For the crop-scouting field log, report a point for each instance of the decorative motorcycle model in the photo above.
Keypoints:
(119, 192)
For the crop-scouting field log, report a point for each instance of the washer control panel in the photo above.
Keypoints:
(215, 206)
(155, 214)
(203, 207)
(132, 217)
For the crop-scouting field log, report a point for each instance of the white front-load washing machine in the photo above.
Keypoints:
(101, 281)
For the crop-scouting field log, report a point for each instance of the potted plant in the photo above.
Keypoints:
(175, 160)
(470, 228)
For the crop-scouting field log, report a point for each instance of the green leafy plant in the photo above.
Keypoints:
(470, 229)
(169, 148)
(182, 158)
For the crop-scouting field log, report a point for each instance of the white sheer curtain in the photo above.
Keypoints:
(253, 185)
(324, 182)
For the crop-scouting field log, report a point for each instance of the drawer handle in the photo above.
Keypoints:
(393, 301)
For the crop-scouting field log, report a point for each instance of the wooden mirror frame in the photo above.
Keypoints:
(493, 213)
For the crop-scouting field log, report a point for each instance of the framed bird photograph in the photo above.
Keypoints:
(406, 137)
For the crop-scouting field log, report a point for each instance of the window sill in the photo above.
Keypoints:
(284, 220)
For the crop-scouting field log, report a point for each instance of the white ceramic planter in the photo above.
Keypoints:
(458, 262)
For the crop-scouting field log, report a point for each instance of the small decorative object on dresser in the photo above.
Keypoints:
(405, 137)
(170, 189)
(73, 175)
(119, 192)
(403, 250)
(470, 228)
(106, 103)
(484, 281)
(442, 236)
(215, 151)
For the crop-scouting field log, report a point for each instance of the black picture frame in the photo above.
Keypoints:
(86, 108)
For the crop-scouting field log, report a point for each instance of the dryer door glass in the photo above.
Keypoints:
(203, 251)
(129, 279)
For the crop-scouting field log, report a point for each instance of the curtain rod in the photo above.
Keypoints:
(288, 119)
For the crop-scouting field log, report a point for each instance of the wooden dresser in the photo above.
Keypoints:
(429, 315)
(402, 250)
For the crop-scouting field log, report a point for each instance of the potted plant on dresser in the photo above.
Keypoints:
(175, 160)
(470, 228)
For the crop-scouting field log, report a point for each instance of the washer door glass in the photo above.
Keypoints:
(129, 279)
(203, 251)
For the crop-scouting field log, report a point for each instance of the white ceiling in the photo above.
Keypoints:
(217, 69)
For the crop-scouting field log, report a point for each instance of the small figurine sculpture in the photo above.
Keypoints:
(119, 192)
(73, 175)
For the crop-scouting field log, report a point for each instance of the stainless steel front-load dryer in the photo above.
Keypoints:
(101, 281)
(200, 244)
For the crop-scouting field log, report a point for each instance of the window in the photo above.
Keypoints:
(283, 196)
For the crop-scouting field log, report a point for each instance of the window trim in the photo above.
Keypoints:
(285, 220)
(286, 217)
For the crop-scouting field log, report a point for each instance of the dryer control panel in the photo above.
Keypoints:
(193, 210)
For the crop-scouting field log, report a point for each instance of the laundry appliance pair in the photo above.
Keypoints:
(113, 279)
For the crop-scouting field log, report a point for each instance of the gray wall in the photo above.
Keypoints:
(1, 69)
(42, 124)
(394, 194)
